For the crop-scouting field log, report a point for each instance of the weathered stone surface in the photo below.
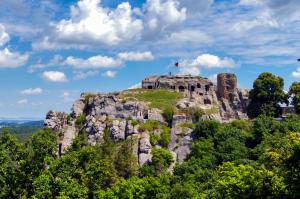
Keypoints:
(145, 145)
(111, 105)
(78, 108)
(130, 129)
(181, 139)
(144, 158)
(155, 114)
(177, 119)
(118, 130)
(55, 121)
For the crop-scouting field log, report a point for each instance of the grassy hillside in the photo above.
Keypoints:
(158, 98)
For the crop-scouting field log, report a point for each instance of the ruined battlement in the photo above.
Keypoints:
(180, 83)
(225, 88)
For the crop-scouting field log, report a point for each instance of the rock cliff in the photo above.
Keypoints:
(128, 113)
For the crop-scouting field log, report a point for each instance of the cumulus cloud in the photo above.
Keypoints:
(109, 74)
(32, 91)
(91, 23)
(296, 73)
(10, 59)
(205, 61)
(22, 102)
(136, 56)
(163, 14)
(54, 76)
(4, 37)
(78, 75)
(98, 61)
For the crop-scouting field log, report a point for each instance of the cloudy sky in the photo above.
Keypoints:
(52, 50)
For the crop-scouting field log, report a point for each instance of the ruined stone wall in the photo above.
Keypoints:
(227, 85)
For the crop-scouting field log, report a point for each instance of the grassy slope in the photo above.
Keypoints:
(158, 98)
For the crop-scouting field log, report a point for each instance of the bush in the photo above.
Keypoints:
(161, 159)
(149, 125)
(168, 115)
(207, 128)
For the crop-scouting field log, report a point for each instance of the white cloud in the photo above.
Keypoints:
(90, 22)
(162, 14)
(78, 75)
(136, 56)
(54, 76)
(205, 61)
(32, 91)
(22, 102)
(109, 74)
(4, 37)
(91, 25)
(10, 59)
(135, 86)
(212, 61)
(92, 62)
(296, 73)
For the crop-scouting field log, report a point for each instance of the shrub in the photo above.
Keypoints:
(80, 121)
(168, 115)
(207, 128)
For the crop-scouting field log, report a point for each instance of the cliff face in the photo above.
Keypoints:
(129, 114)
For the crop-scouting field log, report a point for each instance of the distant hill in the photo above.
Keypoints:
(22, 129)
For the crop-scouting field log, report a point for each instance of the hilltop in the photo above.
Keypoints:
(157, 115)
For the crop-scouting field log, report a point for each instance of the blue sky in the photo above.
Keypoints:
(52, 50)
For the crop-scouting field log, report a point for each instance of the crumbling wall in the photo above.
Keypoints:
(227, 85)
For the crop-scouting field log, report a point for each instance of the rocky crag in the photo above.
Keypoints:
(125, 114)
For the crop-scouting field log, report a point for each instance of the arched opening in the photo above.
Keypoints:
(181, 88)
(207, 88)
(192, 88)
(207, 101)
(150, 87)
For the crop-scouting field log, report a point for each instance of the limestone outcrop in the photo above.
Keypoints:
(122, 118)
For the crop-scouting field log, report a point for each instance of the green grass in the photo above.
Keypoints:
(157, 98)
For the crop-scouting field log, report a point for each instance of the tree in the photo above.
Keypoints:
(247, 181)
(266, 95)
(295, 95)
(207, 128)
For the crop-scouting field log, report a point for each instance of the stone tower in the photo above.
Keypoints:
(227, 85)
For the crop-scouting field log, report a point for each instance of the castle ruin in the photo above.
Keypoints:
(230, 100)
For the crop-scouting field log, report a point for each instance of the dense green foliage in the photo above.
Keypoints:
(22, 131)
(266, 95)
(242, 159)
(259, 158)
